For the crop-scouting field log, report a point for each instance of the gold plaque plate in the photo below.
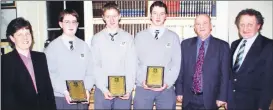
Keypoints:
(117, 85)
(76, 90)
(155, 76)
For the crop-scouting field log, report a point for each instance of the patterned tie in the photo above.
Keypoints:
(239, 58)
(156, 34)
(71, 45)
(112, 36)
(197, 78)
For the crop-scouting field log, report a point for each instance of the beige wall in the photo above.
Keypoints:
(35, 12)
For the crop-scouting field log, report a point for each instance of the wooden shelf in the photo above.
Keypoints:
(145, 20)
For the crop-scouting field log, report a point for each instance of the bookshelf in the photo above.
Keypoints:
(180, 18)
(181, 15)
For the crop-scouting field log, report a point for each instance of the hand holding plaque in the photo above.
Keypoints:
(117, 85)
(155, 76)
(76, 91)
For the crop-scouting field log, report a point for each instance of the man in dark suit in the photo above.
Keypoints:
(204, 72)
(252, 76)
(25, 81)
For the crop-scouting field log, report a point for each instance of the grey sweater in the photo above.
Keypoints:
(113, 58)
(165, 51)
(65, 64)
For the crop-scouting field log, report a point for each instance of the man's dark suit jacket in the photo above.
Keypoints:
(17, 90)
(252, 86)
(215, 69)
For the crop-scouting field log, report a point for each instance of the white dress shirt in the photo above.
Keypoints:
(66, 40)
(161, 30)
(248, 44)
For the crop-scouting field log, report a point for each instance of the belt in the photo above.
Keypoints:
(197, 93)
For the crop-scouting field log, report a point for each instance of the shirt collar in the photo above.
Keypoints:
(252, 39)
(199, 41)
(107, 33)
(106, 30)
(65, 38)
(161, 29)
(23, 56)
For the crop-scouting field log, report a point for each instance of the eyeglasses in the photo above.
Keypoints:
(70, 22)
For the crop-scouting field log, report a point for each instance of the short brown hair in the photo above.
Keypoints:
(159, 4)
(250, 12)
(68, 12)
(110, 5)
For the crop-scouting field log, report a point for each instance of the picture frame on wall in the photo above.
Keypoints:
(5, 48)
(8, 4)
(6, 16)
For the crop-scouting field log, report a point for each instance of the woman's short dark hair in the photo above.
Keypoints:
(250, 12)
(159, 4)
(15, 25)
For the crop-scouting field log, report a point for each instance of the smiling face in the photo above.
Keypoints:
(202, 26)
(158, 16)
(22, 39)
(69, 25)
(248, 26)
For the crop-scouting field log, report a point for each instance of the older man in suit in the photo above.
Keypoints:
(25, 81)
(204, 73)
(252, 78)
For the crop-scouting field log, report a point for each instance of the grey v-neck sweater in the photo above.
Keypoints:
(165, 51)
(64, 64)
(113, 58)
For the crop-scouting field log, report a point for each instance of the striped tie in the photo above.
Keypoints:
(239, 58)
(156, 34)
(71, 45)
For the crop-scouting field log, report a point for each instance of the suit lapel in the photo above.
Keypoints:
(254, 50)
(20, 63)
(210, 53)
(35, 64)
(193, 53)
(210, 50)
(23, 68)
(234, 47)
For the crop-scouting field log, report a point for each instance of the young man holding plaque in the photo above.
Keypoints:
(114, 60)
(159, 57)
(204, 73)
(69, 58)
(25, 80)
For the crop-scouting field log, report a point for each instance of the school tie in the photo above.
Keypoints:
(112, 36)
(71, 45)
(156, 34)
(197, 77)
(239, 58)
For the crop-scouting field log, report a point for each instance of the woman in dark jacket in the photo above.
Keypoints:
(25, 81)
